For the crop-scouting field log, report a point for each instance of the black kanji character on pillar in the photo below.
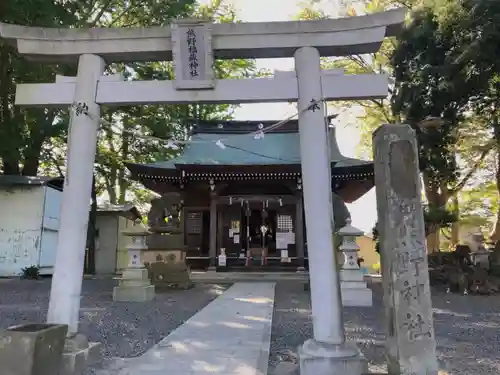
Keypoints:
(81, 108)
(314, 105)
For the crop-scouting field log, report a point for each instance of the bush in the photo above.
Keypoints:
(376, 267)
(31, 273)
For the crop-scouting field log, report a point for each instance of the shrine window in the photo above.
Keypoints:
(284, 223)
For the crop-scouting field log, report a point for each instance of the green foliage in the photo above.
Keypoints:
(37, 137)
(476, 50)
(428, 84)
(26, 129)
(479, 205)
(438, 216)
(31, 273)
(119, 144)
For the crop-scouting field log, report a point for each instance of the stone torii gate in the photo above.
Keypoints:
(193, 45)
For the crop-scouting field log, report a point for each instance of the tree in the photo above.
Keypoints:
(26, 129)
(29, 129)
(440, 163)
(430, 82)
(479, 40)
(122, 138)
(37, 138)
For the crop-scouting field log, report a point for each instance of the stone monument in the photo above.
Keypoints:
(166, 227)
(355, 292)
(411, 345)
(166, 255)
(134, 284)
(170, 273)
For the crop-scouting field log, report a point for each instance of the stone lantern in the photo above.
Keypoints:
(134, 285)
(355, 291)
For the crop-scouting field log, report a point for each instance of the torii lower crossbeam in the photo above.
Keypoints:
(282, 88)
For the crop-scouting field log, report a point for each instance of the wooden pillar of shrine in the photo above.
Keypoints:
(213, 231)
(299, 231)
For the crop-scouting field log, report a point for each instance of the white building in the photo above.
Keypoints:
(29, 223)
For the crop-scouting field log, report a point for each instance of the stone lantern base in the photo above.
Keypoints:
(134, 286)
(355, 291)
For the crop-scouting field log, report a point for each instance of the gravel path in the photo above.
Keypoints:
(467, 327)
(125, 329)
(467, 330)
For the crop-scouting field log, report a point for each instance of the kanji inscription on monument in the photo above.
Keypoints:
(411, 346)
(192, 55)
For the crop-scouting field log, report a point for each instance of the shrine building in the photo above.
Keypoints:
(242, 196)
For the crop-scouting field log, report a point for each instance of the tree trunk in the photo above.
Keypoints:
(92, 232)
(434, 239)
(455, 227)
(111, 190)
(10, 167)
(32, 158)
(433, 229)
(495, 235)
(123, 182)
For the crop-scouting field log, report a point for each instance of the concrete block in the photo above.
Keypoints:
(355, 292)
(286, 368)
(135, 274)
(351, 275)
(75, 362)
(32, 349)
(327, 359)
(141, 293)
(356, 296)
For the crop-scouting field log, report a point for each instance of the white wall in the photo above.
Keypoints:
(106, 244)
(21, 210)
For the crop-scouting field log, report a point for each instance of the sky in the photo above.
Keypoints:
(363, 211)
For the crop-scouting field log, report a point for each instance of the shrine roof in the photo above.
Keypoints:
(239, 150)
(277, 147)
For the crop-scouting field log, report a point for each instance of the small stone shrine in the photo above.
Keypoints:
(134, 285)
(355, 292)
(479, 255)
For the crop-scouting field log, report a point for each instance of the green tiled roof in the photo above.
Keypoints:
(242, 149)
(274, 148)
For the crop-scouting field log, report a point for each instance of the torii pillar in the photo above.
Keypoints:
(327, 352)
(66, 288)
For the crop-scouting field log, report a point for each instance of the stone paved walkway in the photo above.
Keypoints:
(126, 329)
(230, 336)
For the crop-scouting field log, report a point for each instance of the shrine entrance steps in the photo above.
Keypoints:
(258, 268)
(230, 336)
(252, 277)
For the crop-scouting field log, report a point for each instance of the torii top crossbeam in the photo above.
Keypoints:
(332, 37)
